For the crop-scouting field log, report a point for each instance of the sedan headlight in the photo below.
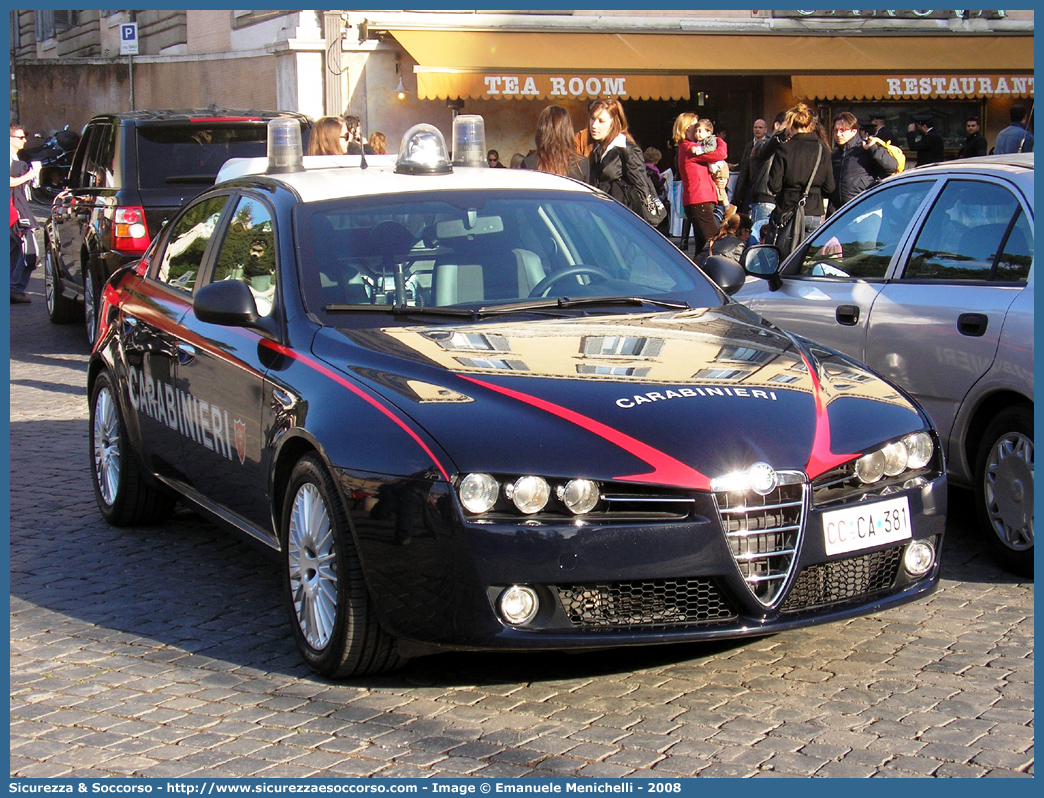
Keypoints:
(478, 493)
(529, 494)
(911, 453)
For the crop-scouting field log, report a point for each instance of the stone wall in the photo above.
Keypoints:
(53, 94)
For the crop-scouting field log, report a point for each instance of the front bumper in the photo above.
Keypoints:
(435, 578)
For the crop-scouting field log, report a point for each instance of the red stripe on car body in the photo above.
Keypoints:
(666, 469)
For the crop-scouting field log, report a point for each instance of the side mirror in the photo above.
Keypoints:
(228, 303)
(763, 260)
(726, 272)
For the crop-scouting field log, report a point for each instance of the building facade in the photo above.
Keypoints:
(731, 66)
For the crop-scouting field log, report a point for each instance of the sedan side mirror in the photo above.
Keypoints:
(762, 260)
(726, 272)
(226, 302)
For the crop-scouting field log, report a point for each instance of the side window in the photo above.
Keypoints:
(1013, 265)
(187, 243)
(863, 240)
(78, 175)
(248, 253)
(102, 157)
(962, 236)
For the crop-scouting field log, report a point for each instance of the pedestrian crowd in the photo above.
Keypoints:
(787, 179)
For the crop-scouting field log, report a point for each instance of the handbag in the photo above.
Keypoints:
(787, 230)
(642, 199)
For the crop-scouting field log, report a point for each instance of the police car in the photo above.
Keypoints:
(494, 409)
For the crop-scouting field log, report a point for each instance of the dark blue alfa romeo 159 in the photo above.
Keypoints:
(494, 409)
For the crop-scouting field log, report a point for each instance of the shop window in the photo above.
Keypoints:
(948, 117)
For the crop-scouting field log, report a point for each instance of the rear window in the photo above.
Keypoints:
(193, 154)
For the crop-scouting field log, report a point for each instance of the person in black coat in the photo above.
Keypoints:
(881, 129)
(617, 165)
(925, 140)
(793, 166)
(857, 163)
(975, 144)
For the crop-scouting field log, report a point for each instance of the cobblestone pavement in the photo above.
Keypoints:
(166, 652)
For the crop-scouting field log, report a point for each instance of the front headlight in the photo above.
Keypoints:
(911, 453)
(529, 494)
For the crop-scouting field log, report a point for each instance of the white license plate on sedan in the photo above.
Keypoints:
(866, 526)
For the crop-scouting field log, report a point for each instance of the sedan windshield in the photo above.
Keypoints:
(477, 252)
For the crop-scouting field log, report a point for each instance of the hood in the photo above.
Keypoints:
(672, 399)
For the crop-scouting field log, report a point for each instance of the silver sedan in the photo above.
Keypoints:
(928, 278)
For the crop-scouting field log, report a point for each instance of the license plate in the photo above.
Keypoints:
(866, 526)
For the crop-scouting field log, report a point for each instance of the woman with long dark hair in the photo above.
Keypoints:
(328, 136)
(555, 152)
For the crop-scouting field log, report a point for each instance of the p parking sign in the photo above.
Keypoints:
(129, 38)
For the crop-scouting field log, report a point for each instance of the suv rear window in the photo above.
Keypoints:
(193, 154)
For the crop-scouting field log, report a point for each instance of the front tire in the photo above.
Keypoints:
(1004, 488)
(60, 309)
(333, 620)
(124, 496)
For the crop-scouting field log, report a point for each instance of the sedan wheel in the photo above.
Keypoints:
(1004, 488)
(60, 309)
(120, 487)
(90, 310)
(332, 618)
(312, 564)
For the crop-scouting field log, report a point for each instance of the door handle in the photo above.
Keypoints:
(848, 315)
(186, 353)
(973, 324)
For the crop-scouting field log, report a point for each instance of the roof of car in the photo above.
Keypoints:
(1010, 163)
(335, 176)
(1017, 168)
(198, 114)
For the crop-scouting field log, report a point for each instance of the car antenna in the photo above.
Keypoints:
(362, 150)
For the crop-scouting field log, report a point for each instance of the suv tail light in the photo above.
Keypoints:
(129, 232)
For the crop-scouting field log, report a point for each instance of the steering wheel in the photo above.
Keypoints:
(540, 289)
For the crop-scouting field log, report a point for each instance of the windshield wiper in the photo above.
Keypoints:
(403, 310)
(591, 301)
(512, 307)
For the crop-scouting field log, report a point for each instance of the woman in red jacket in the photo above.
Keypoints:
(699, 192)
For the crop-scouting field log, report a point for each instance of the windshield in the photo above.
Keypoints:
(466, 251)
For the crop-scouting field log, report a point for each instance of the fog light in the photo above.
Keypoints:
(920, 449)
(530, 494)
(478, 493)
(919, 557)
(870, 467)
(518, 605)
(579, 495)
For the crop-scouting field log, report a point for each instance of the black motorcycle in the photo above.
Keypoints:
(55, 156)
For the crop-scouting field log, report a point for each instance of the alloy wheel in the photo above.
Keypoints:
(49, 286)
(312, 563)
(1008, 487)
(106, 446)
(89, 310)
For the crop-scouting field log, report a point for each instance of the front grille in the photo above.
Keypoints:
(763, 533)
(844, 580)
(651, 603)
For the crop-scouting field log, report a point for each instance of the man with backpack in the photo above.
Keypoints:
(859, 161)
